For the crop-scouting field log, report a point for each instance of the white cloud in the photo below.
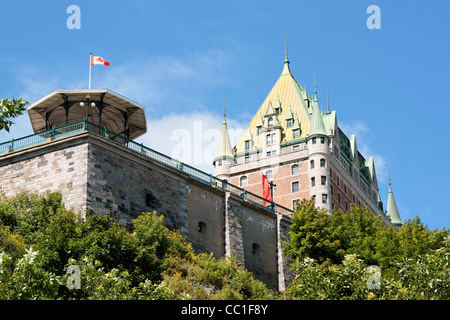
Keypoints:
(191, 138)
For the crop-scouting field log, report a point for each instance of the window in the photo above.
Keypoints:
(295, 186)
(313, 181)
(322, 163)
(269, 174)
(270, 122)
(295, 133)
(324, 198)
(256, 249)
(270, 139)
(258, 130)
(345, 188)
(339, 197)
(346, 206)
(296, 147)
(219, 162)
(314, 198)
(331, 173)
(314, 140)
(274, 152)
(247, 144)
(312, 164)
(295, 204)
(338, 182)
(332, 191)
(294, 169)
(354, 200)
(247, 159)
(322, 140)
(288, 123)
(323, 180)
(150, 200)
(243, 181)
(201, 227)
(268, 154)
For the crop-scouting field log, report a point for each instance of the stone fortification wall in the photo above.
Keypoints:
(104, 177)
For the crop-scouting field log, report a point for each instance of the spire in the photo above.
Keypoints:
(316, 127)
(328, 102)
(285, 49)
(224, 150)
(315, 88)
(224, 113)
(392, 210)
(286, 62)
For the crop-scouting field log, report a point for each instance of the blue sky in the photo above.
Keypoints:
(183, 59)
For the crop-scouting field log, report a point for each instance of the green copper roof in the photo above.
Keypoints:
(317, 126)
(392, 210)
(224, 150)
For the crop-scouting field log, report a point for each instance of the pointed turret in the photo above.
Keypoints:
(317, 126)
(392, 210)
(224, 150)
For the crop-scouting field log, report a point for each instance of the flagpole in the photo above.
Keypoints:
(90, 67)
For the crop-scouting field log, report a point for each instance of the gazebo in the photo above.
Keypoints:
(102, 108)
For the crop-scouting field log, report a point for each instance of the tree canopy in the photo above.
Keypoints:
(10, 109)
(332, 255)
(50, 252)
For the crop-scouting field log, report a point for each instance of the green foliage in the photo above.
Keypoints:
(25, 278)
(331, 255)
(40, 240)
(10, 109)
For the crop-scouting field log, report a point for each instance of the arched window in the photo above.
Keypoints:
(202, 227)
(322, 162)
(294, 169)
(243, 181)
(312, 164)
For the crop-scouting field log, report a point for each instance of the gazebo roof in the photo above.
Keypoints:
(111, 111)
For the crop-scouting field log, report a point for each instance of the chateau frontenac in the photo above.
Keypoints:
(84, 147)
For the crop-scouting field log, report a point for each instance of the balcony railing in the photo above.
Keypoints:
(76, 127)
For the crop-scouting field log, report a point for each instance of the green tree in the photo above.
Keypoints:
(40, 240)
(10, 109)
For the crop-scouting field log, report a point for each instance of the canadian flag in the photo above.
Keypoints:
(99, 60)
(266, 188)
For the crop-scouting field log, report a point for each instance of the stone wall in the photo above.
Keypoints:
(55, 166)
(106, 178)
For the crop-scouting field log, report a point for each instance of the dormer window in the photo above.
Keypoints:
(289, 123)
(270, 122)
(295, 133)
(258, 130)
(247, 144)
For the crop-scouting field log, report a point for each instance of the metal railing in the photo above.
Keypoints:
(76, 127)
